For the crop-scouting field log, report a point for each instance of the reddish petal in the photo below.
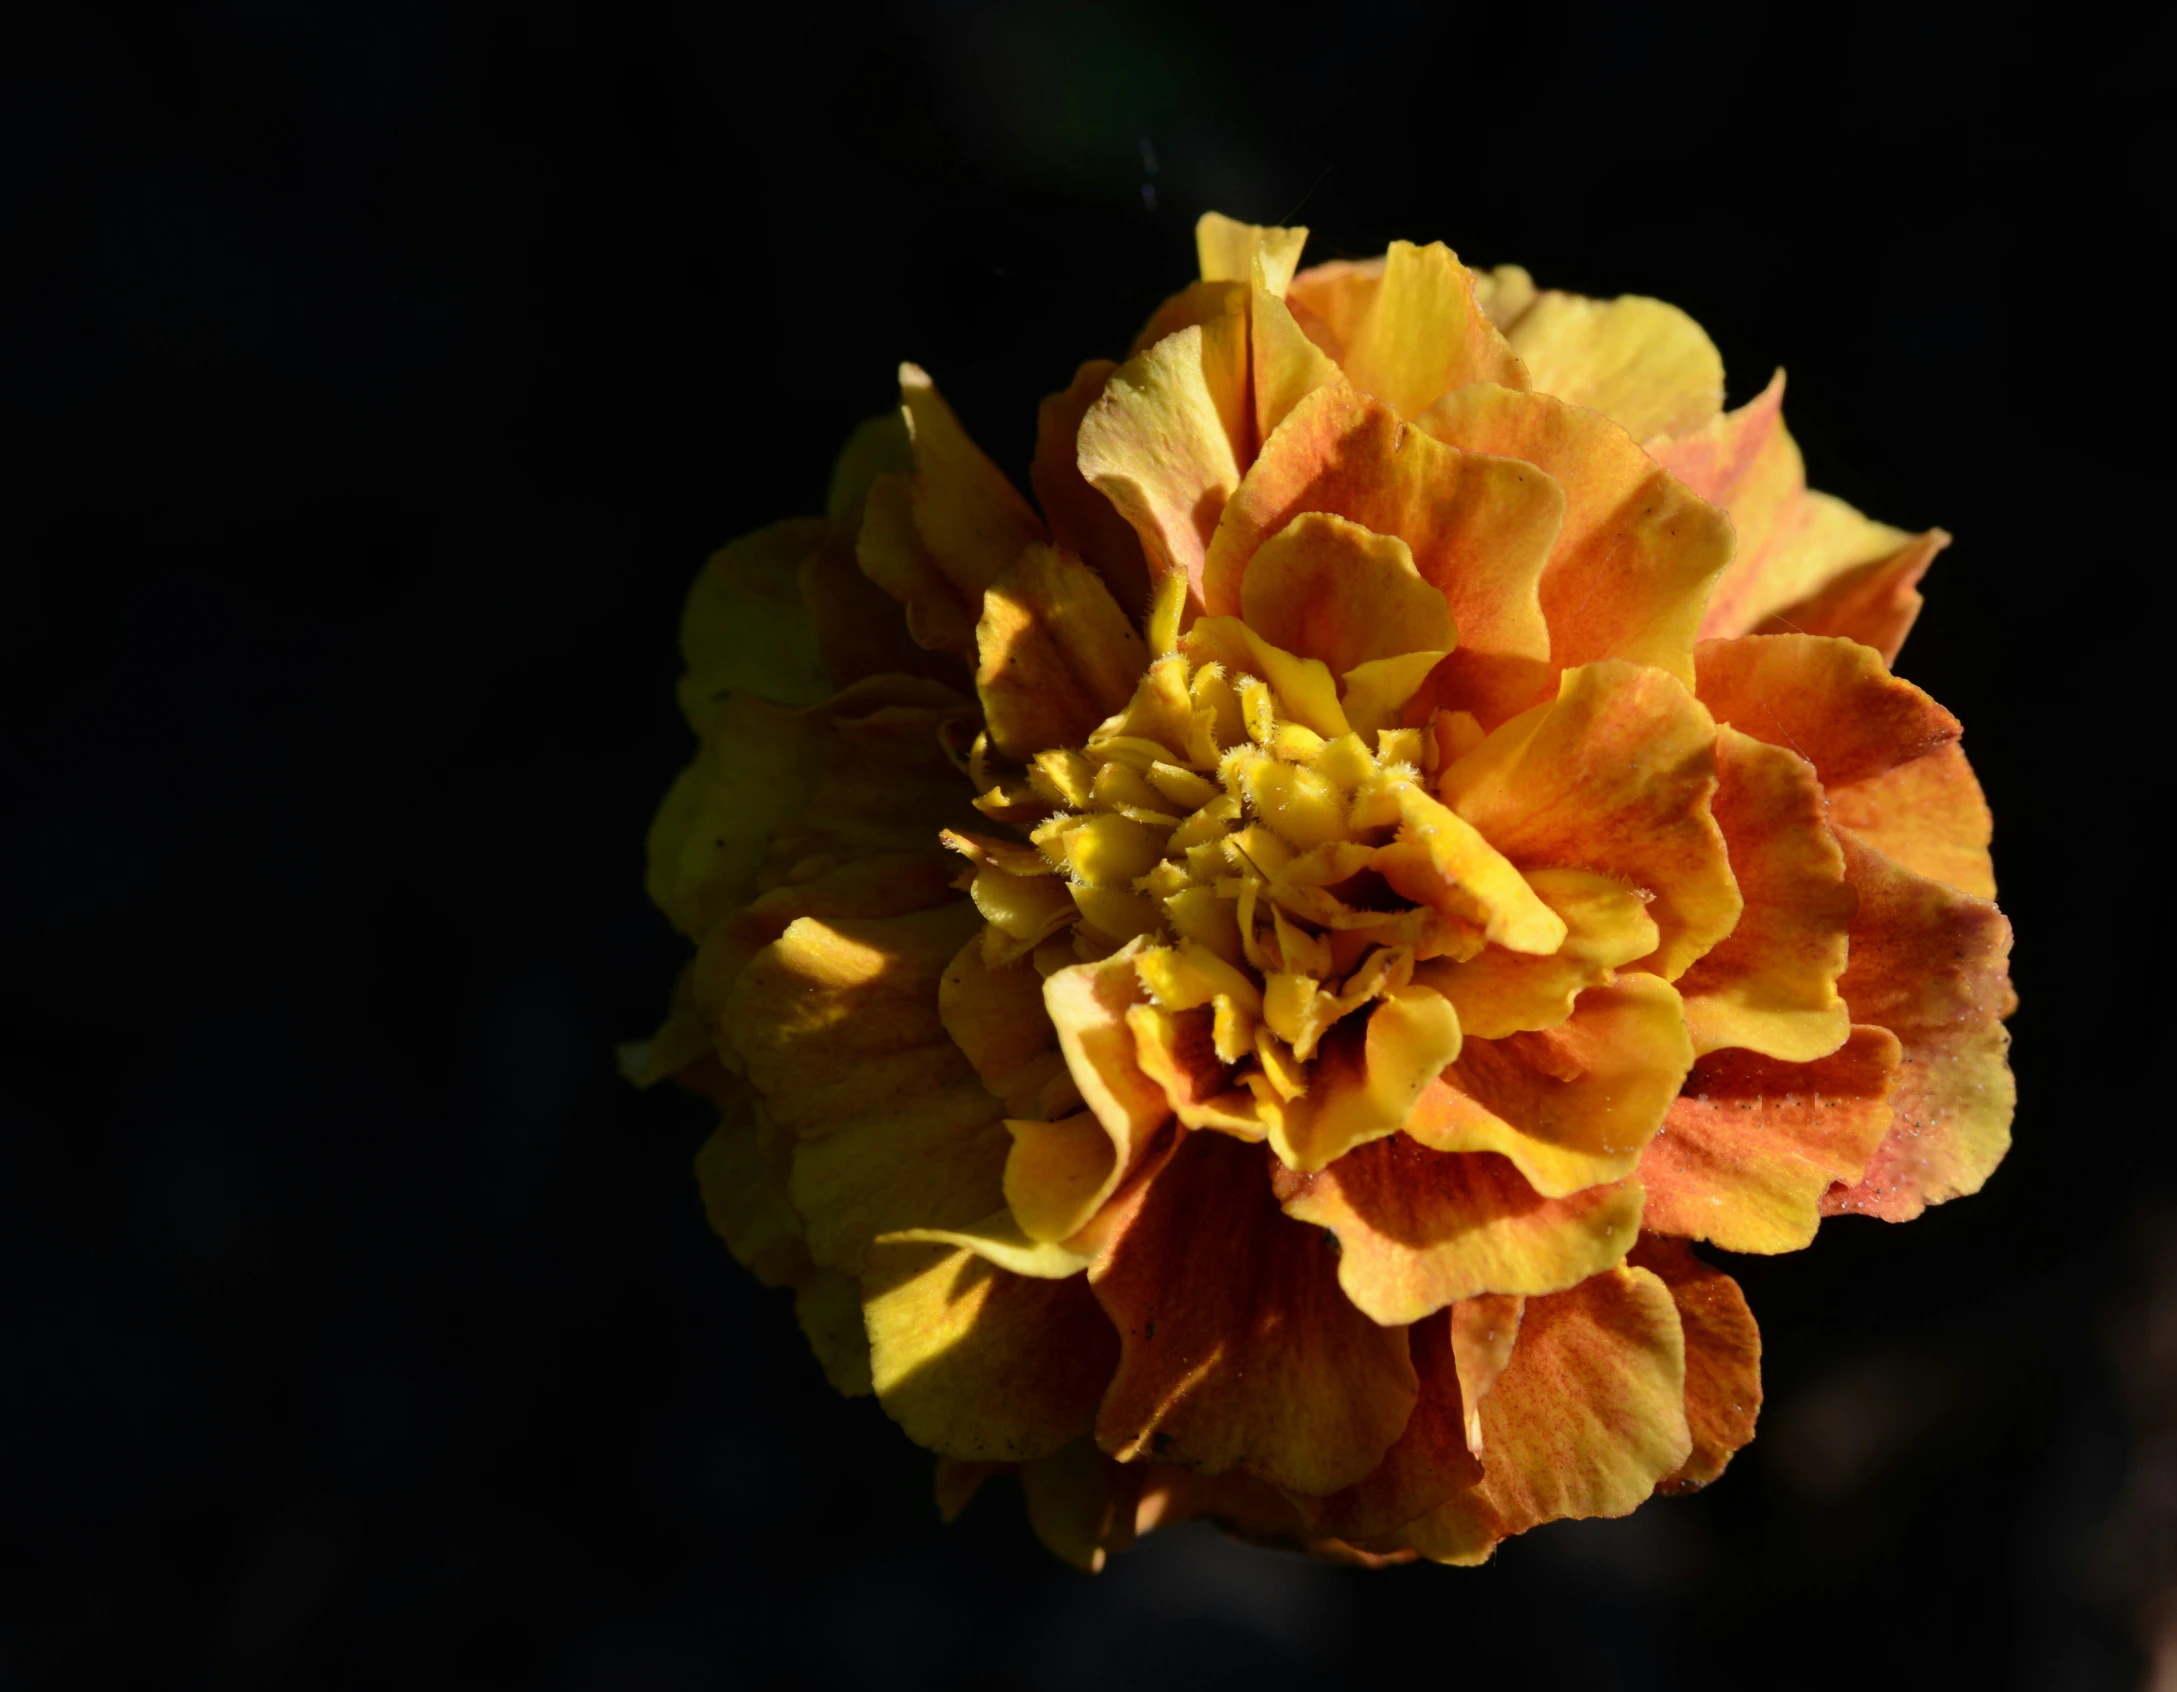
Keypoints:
(1832, 701)
(1928, 815)
(1931, 964)
(1875, 603)
(1752, 1145)
(1245, 1356)
(1429, 1463)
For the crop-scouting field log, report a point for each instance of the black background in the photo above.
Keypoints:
(380, 373)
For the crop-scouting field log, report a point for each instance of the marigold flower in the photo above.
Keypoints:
(1232, 989)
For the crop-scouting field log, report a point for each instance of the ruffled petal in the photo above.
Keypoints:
(828, 1306)
(1931, 964)
(1614, 775)
(996, 1017)
(1499, 992)
(980, 1364)
(1428, 1464)
(1418, 1229)
(1228, 250)
(1643, 364)
(1928, 815)
(1723, 1359)
(1082, 520)
(1410, 330)
(860, 631)
(891, 553)
(742, 1171)
(1367, 1078)
(1770, 985)
(1327, 588)
(1246, 1355)
(1162, 442)
(1752, 1145)
(1287, 366)
(1081, 1504)
(1586, 1419)
(1831, 700)
(1484, 1334)
(1056, 655)
(1479, 528)
(1875, 603)
(1633, 565)
(1574, 1107)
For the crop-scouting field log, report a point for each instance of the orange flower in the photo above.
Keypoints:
(1266, 1057)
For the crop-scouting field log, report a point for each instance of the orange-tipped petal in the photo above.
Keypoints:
(1716, 460)
(1585, 1420)
(1056, 654)
(1831, 700)
(1931, 964)
(1248, 1355)
(1082, 520)
(1327, 588)
(1162, 441)
(1480, 529)
(969, 516)
(1928, 815)
(1723, 1359)
(1429, 1463)
(1614, 775)
(1770, 985)
(1633, 564)
(1419, 1229)
(1875, 603)
(1367, 1078)
(980, 1364)
(1643, 364)
(1499, 992)
(1753, 1144)
(1572, 1108)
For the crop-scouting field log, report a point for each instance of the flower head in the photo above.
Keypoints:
(1231, 994)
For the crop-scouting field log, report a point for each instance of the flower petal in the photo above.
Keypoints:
(1723, 1359)
(828, 1305)
(1875, 603)
(1080, 1503)
(1428, 1464)
(1499, 992)
(1716, 460)
(1056, 655)
(996, 1018)
(1572, 1108)
(980, 1364)
(1587, 1417)
(1418, 330)
(1247, 1355)
(1928, 815)
(745, 625)
(1479, 528)
(742, 1172)
(969, 516)
(1367, 1078)
(1752, 1144)
(1614, 775)
(1643, 364)
(1484, 1333)
(1930, 964)
(1327, 588)
(1227, 250)
(859, 629)
(1831, 700)
(1633, 565)
(891, 553)
(1420, 1229)
(1082, 520)
(1047, 1177)
(714, 828)
(1286, 365)
(1770, 985)
(1162, 441)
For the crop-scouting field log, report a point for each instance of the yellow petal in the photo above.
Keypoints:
(1632, 567)
(1614, 776)
(1088, 1005)
(1080, 1503)
(1411, 329)
(1327, 588)
(969, 516)
(1574, 1107)
(1428, 1463)
(860, 631)
(877, 446)
(1056, 655)
(1643, 364)
(1159, 442)
(745, 625)
(1375, 693)
(1286, 365)
(742, 1172)
(1419, 1229)
(1498, 991)
(892, 554)
(980, 1364)
(1366, 1080)
(828, 1305)
(1228, 250)
(996, 1018)
(1484, 1332)
(1443, 861)
(1082, 520)
(1304, 685)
